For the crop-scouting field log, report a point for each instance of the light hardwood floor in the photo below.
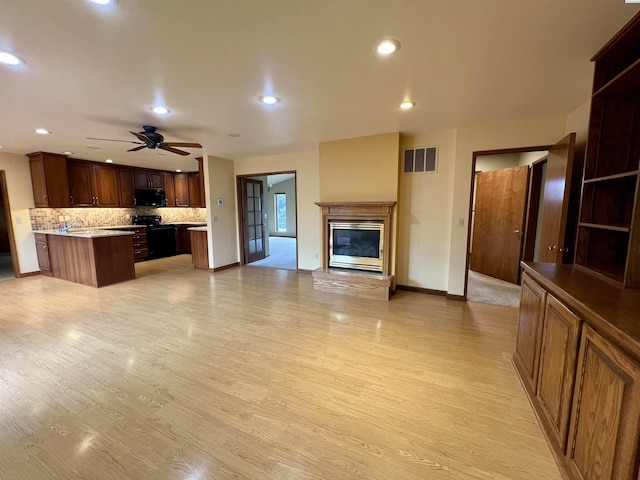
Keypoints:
(250, 373)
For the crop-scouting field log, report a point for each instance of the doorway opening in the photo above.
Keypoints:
(503, 221)
(268, 221)
(9, 267)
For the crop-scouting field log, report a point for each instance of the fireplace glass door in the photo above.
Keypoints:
(356, 245)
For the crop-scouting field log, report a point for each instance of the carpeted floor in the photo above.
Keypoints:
(282, 254)
(484, 289)
(6, 267)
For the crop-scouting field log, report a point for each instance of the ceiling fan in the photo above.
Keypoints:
(150, 138)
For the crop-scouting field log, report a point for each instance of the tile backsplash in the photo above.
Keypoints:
(48, 218)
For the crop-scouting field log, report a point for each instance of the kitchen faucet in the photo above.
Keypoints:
(64, 226)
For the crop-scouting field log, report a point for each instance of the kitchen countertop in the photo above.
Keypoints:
(86, 233)
(198, 229)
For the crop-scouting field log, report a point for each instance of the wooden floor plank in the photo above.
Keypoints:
(251, 373)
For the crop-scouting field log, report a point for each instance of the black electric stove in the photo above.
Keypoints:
(161, 238)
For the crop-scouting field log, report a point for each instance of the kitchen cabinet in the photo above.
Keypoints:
(127, 188)
(587, 392)
(169, 188)
(183, 239)
(42, 251)
(200, 255)
(182, 189)
(49, 179)
(194, 190)
(93, 184)
(531, 316)
(148, 179)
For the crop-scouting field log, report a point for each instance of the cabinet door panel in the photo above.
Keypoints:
(169, 189)
(194, 190)
(603, 440)
(38, 182)
(80, 184)
(558, 353)
(141, 179)
(527, 355)
(182, 189)
(155, 180)
(42, 252)
(105, 185)
(127, 190)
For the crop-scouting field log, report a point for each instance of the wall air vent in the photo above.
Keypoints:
(420, 160)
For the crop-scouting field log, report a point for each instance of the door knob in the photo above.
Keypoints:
(517, 232)
(552, 249)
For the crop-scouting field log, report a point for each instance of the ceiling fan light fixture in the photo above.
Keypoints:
(160, 110)
(387, 47)
(269, 99)
(10, 59)
(42, 131)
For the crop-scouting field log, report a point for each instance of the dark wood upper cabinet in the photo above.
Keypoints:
(148, 179)
(181, 189)
(50, 179)
(93, 185)
(194, 190)
(169, 188)
(127, 189)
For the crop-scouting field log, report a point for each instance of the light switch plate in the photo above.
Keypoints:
(220, 202)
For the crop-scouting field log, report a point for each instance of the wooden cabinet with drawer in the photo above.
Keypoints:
(140, 248)
(42, 251)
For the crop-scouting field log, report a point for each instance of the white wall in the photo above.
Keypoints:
(222, 234)
(306, 166)
(20, 194)
(289, 188)
(424, 215)
(524, 132)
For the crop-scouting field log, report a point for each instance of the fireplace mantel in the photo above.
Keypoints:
(381, 211)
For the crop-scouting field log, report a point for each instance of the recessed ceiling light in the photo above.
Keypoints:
(160, 110)
(10, 59)
(42, 131)
(93, 148)
(234, 135)
(108, 160)
(269, 99)
(67, 153)
(407, 105)
(387, 47)
(101, 2)
(178, 170)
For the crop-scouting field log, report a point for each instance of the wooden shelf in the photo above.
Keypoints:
(615, 228)
(611, 177)
(625, 81)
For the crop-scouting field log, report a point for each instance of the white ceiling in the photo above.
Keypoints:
(94, 71)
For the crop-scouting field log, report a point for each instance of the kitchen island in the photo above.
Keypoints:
(199, 248)
(91, 257)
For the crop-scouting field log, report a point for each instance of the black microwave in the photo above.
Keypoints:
(150, 197)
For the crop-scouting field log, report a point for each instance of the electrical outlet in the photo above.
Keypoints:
(461, 221)
(67, 217)
(18, 220)
(60, 218)
(215, 218)
(127, 216)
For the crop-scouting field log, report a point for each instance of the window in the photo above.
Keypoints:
(281, 211)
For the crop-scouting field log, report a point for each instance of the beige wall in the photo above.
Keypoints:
(16, 168)
(222, 235)
(524, 132)
(289, 188)
(424, 215)
(305, 164)
(360, 169)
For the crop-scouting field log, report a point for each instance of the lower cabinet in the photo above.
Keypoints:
(140, 247)
(183, 239)
(42, 251)
(583, 386)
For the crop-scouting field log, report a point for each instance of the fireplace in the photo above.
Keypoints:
(356, 245)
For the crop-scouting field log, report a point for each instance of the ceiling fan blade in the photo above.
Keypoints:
(141, 137)
(135, 149)
(172, 150)
(182, 144)
(111, 140)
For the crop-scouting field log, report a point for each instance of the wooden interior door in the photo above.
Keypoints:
(500, 204)
(251, 200)
(556, 240)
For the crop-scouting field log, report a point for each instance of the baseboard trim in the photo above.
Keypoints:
(428, 291)
(28, 274)
(460, 298)
(225, 267)
(304, 271)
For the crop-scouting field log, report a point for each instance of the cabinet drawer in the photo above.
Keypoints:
(40, 237)
(139, 237)
(139, 254)
(138, 245)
